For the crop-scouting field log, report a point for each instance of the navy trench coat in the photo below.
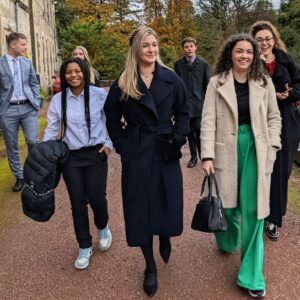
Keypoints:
(152, 188)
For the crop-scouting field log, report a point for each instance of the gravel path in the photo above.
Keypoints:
(37, 259)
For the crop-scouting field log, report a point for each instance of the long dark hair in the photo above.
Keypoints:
(224, 61)
(64, 85)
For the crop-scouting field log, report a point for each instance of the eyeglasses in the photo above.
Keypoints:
(266, 39)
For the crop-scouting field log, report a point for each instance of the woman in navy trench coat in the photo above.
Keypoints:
(147, 104)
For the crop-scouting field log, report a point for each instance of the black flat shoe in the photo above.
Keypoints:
(150, 283)
(165, 249)
(192, 162)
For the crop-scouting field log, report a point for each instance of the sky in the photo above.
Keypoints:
(276, 3)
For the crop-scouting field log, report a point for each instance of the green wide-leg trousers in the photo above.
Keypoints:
(243, 226)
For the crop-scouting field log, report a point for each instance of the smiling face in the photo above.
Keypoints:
(266, 42)
(79, 53)
(74, 75)
(189, 49)
(149, 50)
(242, 56)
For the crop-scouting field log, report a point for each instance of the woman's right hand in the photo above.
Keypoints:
(208, 167)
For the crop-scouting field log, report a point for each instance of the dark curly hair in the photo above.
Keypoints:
(64, 85)
(224, 62)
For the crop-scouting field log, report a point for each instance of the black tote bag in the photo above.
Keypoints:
(209, 213)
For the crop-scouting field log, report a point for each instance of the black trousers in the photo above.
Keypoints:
(85, 175)
(194, 136)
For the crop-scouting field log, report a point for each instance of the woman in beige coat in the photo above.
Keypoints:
(240, 135)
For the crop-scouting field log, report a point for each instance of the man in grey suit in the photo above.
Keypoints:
(19, 102)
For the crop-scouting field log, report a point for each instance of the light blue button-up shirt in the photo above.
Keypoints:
(77, 135)
(12, 69)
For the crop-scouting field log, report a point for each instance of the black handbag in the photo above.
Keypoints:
(169, 147)
(209, 213)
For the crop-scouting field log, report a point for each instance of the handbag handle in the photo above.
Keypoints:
(211, 178)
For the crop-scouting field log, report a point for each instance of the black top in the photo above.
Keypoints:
(242, 95)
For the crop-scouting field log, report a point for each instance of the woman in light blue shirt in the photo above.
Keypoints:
(79, 107)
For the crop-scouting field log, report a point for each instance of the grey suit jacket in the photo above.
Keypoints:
(31, 85)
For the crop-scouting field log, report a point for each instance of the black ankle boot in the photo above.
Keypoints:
(150, 282)
(165, 248)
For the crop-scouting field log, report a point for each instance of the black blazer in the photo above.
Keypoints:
(286, 71)
(196, 77)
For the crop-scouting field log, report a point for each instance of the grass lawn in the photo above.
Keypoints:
(294, 191)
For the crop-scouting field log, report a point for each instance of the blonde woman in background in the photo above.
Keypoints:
(83, 54)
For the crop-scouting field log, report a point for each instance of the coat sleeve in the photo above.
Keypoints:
(34, 84)
(181, 112)
(208, 122)
(176, 68)
(274, 118)
(206, 77)
(113, 113)
(294, 73)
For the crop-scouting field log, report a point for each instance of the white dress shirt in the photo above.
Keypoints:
(77, 132)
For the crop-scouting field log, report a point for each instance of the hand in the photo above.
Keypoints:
(106, 150)
(285, 94)
(208, 167)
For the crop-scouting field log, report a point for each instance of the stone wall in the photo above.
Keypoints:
(43, 33)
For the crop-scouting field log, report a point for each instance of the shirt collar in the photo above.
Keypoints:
(10, 58)
(70, 94)
(191, 59)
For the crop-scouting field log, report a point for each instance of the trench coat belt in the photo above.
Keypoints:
(134, 142)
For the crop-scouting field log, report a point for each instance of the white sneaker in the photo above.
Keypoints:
(83, 259)
(105, 238)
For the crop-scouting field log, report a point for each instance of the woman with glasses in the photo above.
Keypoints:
(146, 106)
(286, 79)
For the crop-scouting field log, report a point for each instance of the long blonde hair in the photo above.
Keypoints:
(129, 78)
(87, 60)
(266, 25)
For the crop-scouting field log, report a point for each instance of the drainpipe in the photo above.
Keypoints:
(17, 15)
(32, 34)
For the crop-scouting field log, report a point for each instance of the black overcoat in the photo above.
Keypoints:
(196, 77)
(286, 71)
(152, 189)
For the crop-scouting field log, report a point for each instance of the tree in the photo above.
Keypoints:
(289, 26)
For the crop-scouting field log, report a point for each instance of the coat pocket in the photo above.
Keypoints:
(271, 157)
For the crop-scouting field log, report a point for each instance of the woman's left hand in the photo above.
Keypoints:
(106, 150)
(285, 94)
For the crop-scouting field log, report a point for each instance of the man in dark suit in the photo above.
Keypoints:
(19, 101)
(195, 73)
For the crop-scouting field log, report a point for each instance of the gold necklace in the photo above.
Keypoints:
(147, 77)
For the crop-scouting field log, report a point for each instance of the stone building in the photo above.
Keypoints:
(36, 19)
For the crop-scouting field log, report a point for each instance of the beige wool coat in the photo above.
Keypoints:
(219, 130)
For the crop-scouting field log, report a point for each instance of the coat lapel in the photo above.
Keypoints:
(227, 91)
(146, 100)
(6, 67)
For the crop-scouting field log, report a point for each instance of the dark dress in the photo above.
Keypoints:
(152, 189)
(286, 71)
